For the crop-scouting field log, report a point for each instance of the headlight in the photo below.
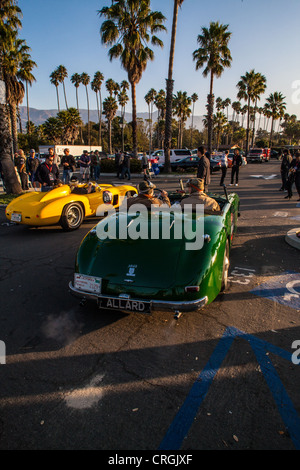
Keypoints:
(107, 197)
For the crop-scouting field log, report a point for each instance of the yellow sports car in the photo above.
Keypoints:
(66, 205)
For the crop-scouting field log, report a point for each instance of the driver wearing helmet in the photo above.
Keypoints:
(146, 196)
(197, 196)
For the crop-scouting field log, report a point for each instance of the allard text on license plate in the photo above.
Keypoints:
(124, 304)
(16, 217)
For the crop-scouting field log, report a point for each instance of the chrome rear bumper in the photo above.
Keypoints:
(176, 306)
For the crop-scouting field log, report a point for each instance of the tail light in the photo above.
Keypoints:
(192, 289)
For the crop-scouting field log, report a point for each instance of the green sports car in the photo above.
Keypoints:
(142, 273)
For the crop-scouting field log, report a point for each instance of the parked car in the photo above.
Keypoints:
(191, 163)
(258, 155)
(65, 205)
(139, 275)
(175, 154)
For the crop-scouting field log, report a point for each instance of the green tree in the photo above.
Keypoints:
(276, 106)
(70, 123)
(128, 28)
(10, 21)
(215, 54)
(96, 87)
(181, 106)
(85, 80)
(194, 98)
(169, 87)
(149, 98)
(250, 86)
(25, 75)
(61, 75)
(123, 100)
(76, 80)
(110, 107)
(55, 81)
(220, 122)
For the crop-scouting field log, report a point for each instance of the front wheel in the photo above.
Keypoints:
(224, 284)
(72, 216)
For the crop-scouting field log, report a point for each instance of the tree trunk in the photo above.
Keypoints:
(14, 126)
(11, 181)
(134, 137)
(88, 106)
(248, 124)
(27, 101)
(169, 95)
(210, 112)
(100, 121)
(57, 95)
(271, 133)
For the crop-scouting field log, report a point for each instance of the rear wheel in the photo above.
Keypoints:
(224, 284)
(72, 216)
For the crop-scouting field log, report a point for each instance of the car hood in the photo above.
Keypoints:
(150, 263)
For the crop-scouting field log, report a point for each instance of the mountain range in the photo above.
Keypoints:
(39, 116)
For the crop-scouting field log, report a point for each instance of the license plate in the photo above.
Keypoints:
(124, 304)
(16, 217)
(86, 283)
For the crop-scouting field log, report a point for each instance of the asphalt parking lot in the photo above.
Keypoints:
(225, 378)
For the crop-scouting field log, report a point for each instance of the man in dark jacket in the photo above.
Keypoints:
(47, 173)
(203, 167)
(284, 169)
(236, 163)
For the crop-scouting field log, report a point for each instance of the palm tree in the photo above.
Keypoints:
(110, 107)
(220, 122)
(236, 106)
(181, 108)
(25, 75)
(14, 88)
(194, 98)
(76, 80)
(61, 75)
(10, 21)
(96, 87)
(213, 52)
(276, 107)
(160, 103)
(55, 81)
(85, 80)
(149, 98)
(170, 85)
(70, 122)
(251, 86)
(128, 28)
(123, 100)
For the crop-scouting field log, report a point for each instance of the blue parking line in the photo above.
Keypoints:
(182, 422)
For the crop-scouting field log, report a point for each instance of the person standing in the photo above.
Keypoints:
(294, 177)
(126, 167)
(68, 163)
(203, 171)
(56, 158)
(284, 169)
(145, 165)
(236, 163)
(32, 164)
(21, 168)
(84, 165)
(224, 165)
(98, 165)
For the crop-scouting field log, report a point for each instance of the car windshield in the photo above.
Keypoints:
(182, 152)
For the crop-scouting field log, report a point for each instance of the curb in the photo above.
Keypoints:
(292, 239)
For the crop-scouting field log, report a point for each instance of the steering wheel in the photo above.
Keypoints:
(157, 193)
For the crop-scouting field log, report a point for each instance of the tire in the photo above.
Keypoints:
(224, 283)
(72, 216)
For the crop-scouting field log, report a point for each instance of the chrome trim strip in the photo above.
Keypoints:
(185, 306)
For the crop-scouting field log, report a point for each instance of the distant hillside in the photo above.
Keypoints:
(38, 116)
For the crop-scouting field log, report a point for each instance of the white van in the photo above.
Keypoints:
(175, 154)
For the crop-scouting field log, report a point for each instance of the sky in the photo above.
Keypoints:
(265, 37)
